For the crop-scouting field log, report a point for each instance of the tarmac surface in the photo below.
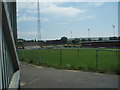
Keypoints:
(41, 77)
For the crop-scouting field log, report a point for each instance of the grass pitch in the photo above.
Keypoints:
(78, 59)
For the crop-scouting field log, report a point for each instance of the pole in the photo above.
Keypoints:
(39, 31)
(96, 60)
(71, 34)
(78, 51)
(116, 53)
(23, 54)
(113, 30)
(39, 25)
(71, 37)
(88, 33)
(60, 57)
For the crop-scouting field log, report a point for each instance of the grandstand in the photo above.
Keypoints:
(97, 44)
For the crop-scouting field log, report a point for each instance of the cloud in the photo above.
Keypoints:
(96, 4)
(26, 18)
(26, 5)
(27, 35)
(30, 33)
(88, 5)
(61, 11)
(86, 17)
(44, 19)
(49, 8)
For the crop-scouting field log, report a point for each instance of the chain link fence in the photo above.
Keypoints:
(99, 60)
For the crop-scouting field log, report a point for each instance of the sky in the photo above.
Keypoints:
(59, 19)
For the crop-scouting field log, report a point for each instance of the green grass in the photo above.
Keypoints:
(73, 59)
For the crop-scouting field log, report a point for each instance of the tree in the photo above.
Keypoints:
(31, 40)
(35, 40)
(83, 39)
(73, 41)
(23, 40)
(64, 40)
(76, 41)
(119, 38)
(100, 39)
(110, 38)
(89, 39)
(113, 38)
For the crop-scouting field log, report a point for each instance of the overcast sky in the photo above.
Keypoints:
(60, 18)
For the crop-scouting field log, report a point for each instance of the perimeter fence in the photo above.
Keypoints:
(100, 60)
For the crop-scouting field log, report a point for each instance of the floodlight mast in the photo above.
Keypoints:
(38, 24)
(88, 33)
(39, 32)
(113, 30)
(71, 35)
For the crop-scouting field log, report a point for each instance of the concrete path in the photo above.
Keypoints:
(39, 77)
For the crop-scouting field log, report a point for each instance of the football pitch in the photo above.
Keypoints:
(100, 60)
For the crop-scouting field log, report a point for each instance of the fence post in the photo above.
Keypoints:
(31, 54)
(22, 54)
(60, 57)
(116, 53)
(41, 56)
(96, 60)
(78, 51)
(39, 60)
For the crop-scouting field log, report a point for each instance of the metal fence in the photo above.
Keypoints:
(6, 66)
(8, 55)
(102, 60)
